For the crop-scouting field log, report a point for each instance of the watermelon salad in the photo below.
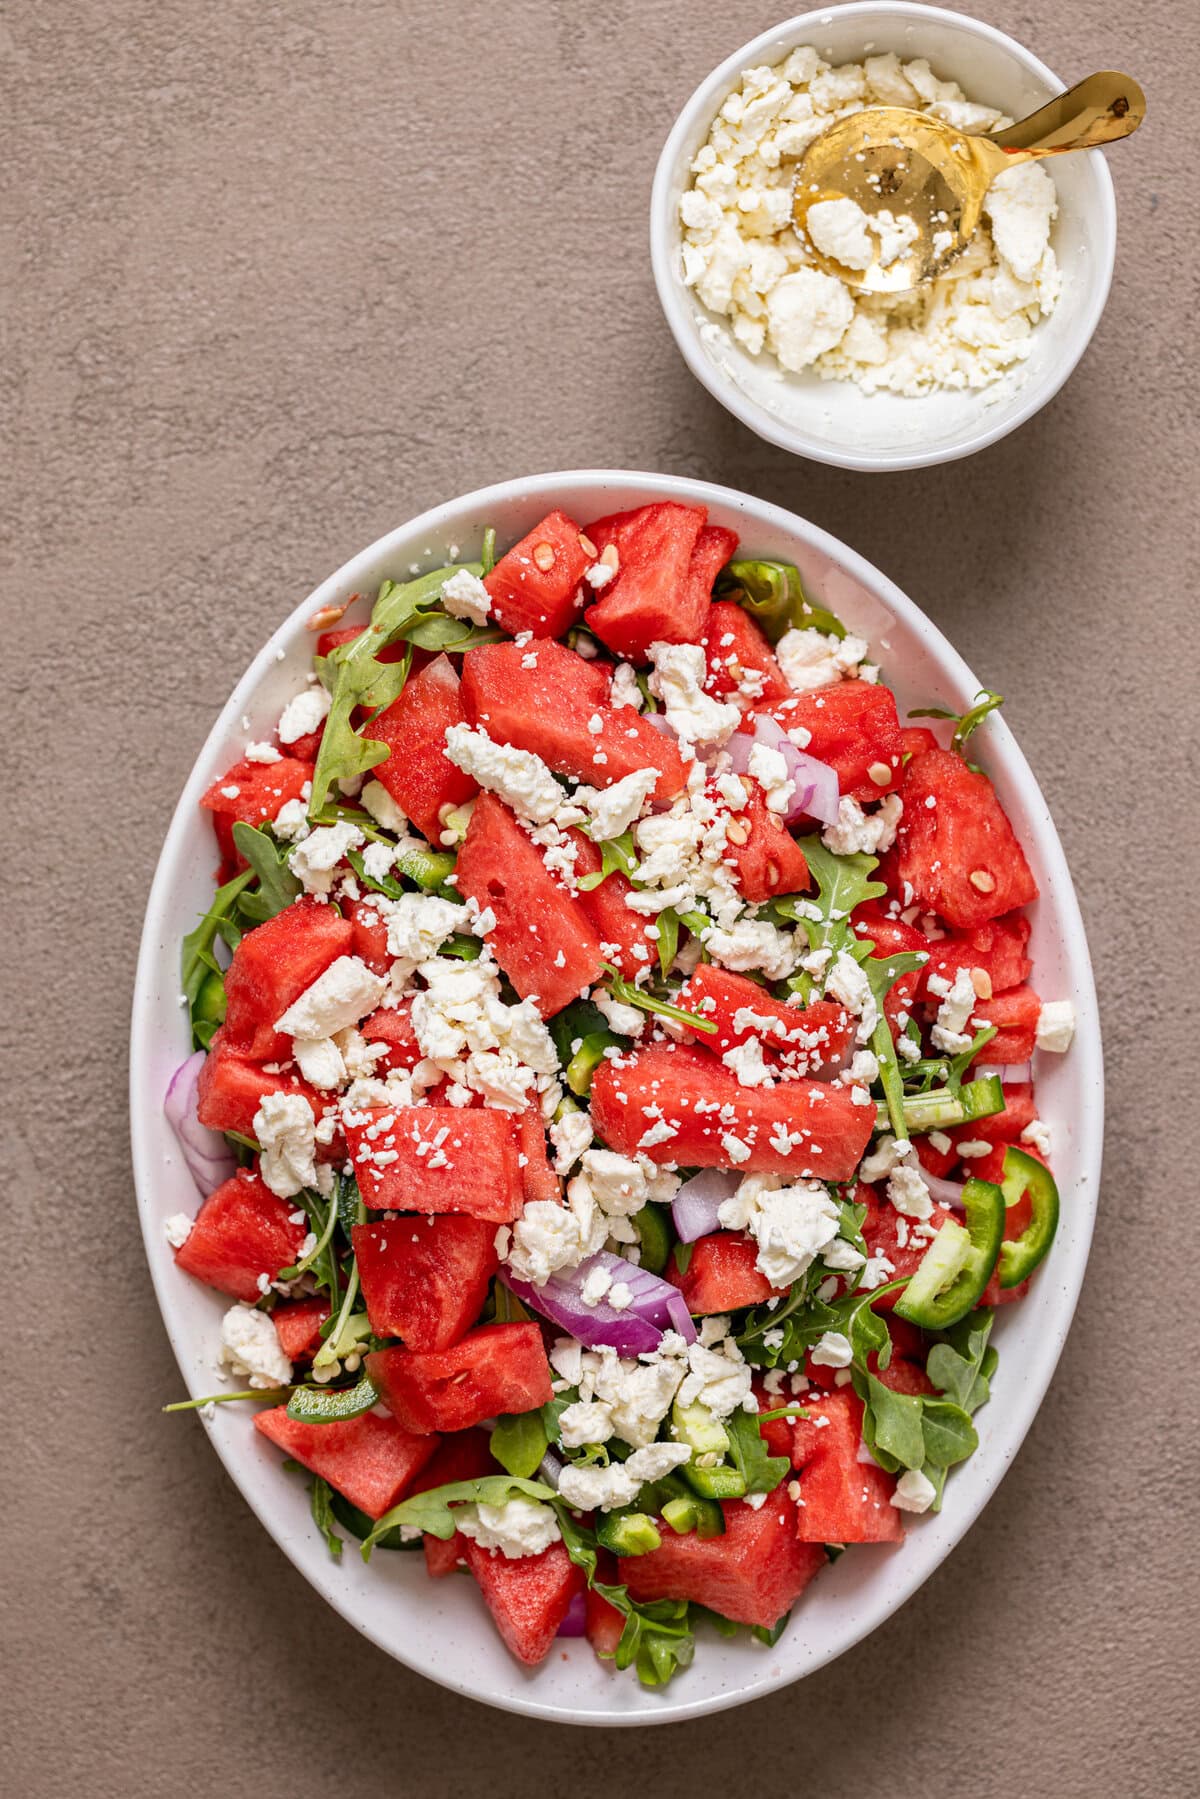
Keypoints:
(612, 1097)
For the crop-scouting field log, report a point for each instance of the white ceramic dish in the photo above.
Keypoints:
(834, 421)
(441, 1628)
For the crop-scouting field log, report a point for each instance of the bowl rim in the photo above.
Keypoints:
(160, 929)
(679, 313)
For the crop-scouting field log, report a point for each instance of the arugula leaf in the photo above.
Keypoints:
(843, 883)
(668, 938)
(986, 702)
(657, 1639)
(616, 857)
(197, 959)
(892, 1424)
(277, 885)
(773, 596)
(431, 1511)
(407, 612)
(321, 1505)
(330, 1405)
(646, 1002)
(804, 1319)
(761, 1471)
(519, 1442)
(487, 555)
(882, 973)
(961, 1365)
(771, 1637)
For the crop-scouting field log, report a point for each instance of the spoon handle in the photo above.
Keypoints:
(1098, 110)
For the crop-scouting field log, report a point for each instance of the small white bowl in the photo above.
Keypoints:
(440, 1628)
(834, 421)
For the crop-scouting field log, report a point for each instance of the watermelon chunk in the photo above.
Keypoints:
(535, 586)
(231, 1088)
(854, 727)
(653, 597)
(393, 1025)
(370, 1460)
(804, 1039)
(446, 1159)
(1015, 1014)
(537, 1176)
(722, 1275)
(528, 1597)
(768, 862)
(741, 663)
(998, 947)
(272, 966)
(550, 708)
(798, 1127)
(242, 1231)
(369, 942)
(418, 774)
(754, 1574)
(253, 793)
(960, 854)
(466, 1455)
(622, 932)
(425, 1279)
(542, 938)
(842, 1500)
(298, 1326)
(882, 1229)
(496, 1368)
(714, 547)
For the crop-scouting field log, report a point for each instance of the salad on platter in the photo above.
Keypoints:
(611, 1101)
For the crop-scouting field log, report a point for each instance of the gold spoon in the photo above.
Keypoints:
(932, 179)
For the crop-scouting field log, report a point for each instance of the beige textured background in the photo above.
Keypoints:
(276, 277)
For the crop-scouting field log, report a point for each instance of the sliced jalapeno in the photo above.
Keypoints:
(1025, 1177)
(958, 1263)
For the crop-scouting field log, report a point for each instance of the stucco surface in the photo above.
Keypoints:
(277, 276)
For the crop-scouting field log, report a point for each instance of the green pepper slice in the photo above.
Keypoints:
(655, 1236)
(721, 1482)
(1025, 1175)
(934, 1306)
(627, 1532)
(320, 1405)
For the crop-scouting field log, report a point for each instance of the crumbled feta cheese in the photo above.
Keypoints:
(957, 1003)
(286, 1134)
(262, 752)
(591, 1489)
(1037, 1135)
(908, 1193)
(857, 831)
(831, 1350)
(848, 984)
(753, 943)
(587, 1421)
(915, 1492)
(419, 923)
(571, 1134)
(315, 860)
(303, 714)
(178, 1229)
(520, 778)
(770, 769)
(791, 1225)
(290, 823)
(613, 809)
(626, 1021)
(250, 1348)
(346, 992)
(1056, 1026)
(811, 659)
(376, 800)
(625, 690)
(678, 681)
(1021, 204)
(465, 595)
(517, 1528)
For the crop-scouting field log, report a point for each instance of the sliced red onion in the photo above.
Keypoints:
(550, 1467)
(658, 722)
(695, 1206)
(208, 1160)
(947, 1193)
(817, 794)
(635, 1329)
(575, 1622)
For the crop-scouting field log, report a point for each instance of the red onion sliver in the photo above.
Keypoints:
(817, 794)
(696, 1204)
(575, 1622)
(947, 1193)
(636, 1329)
(208, 1161)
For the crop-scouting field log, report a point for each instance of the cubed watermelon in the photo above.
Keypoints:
(842, 1500)
(722, 1275)
(958, 853)
(542, 938)
(767, 861)
(464, 1456)
(854, 727)
(535, 585)
(882, 1229)
(537, 1176)
(393, 1025)
(528, 1597)
(438, 1159)
(370, 1460)
(754, 1574)
(805, 1039)
(231, 1088)
(418, 774)
(272, 966)
(241, 1232)
(622, 932)
(298, 1325)
(369, 942)
(495, 1368)
(1015, 1014)
(799, 1127)
(714, 547)
(741, 663)
(425, 1279)
(653, 597)
(998, 947)
(551, 708)
(252, 793)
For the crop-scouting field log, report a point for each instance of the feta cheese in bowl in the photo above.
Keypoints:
(873, 381)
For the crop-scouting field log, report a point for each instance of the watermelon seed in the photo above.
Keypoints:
(880, 773)
(543, 555)
(981, 980)
(737, 833)
(329, 615)
(982, 881)
(586, 545)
